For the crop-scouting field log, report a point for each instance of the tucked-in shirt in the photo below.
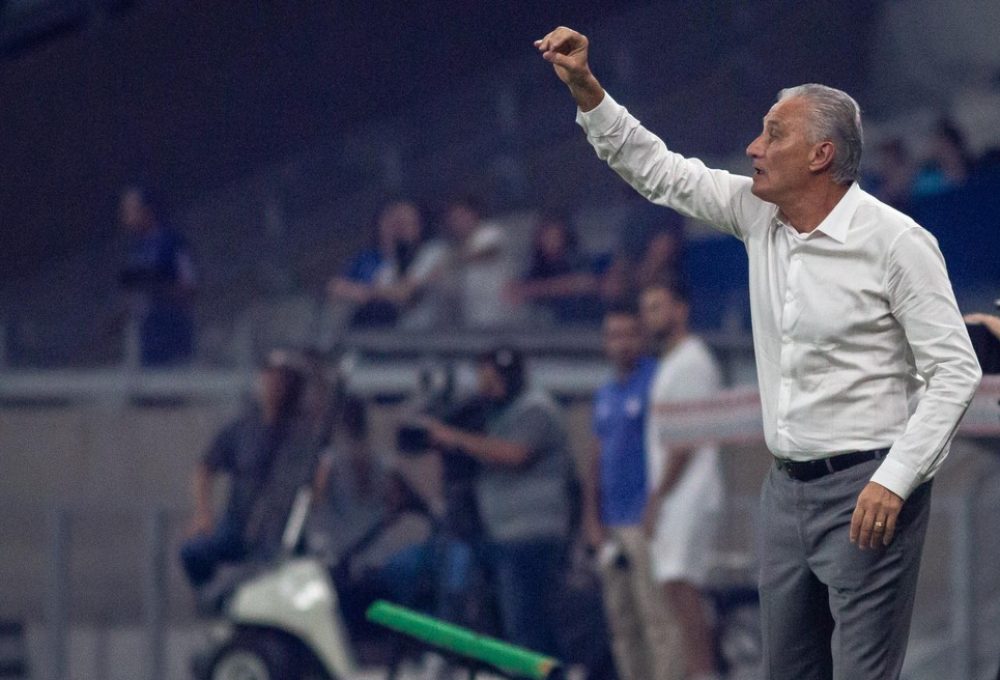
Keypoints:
(620, 412)
(859, 343)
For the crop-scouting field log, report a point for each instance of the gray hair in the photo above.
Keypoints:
(835, 117)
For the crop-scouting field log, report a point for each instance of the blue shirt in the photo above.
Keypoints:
(620, 408)
(365, 266)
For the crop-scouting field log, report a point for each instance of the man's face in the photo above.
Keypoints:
(491, 383)
(272, 387)
(782, 153)
(400, 222)
(622, 340)
(461, 221)
(132, 211)
(661, 313)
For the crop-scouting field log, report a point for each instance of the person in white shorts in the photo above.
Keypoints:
(685, 483)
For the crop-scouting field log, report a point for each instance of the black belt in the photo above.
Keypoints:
(807, 470)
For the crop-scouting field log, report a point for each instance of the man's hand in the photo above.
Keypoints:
(567, 51)
(594, 532)
(651, 515)
(202, 524)
(874, 519)
(440, 435)
(991, 322)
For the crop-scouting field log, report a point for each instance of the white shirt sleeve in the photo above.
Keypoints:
(662, 176)
(488, 237)
(922, 301)
(430, 257)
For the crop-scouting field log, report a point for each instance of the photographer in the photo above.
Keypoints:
(522, 493)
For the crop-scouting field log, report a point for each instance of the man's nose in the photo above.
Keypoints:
(753, 149)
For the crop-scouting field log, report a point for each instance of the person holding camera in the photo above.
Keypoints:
(644, 638)
(522, 493)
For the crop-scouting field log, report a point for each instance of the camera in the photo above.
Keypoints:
(438, 400)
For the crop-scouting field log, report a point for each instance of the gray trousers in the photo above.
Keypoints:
(830, 611)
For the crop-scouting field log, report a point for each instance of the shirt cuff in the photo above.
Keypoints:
(600, 119)
(897, 477)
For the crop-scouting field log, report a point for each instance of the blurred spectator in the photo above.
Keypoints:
(948, 165)
(479, 269)
(385, 281)
(892, 180)
(268, 453)
(650, 249)
(683, 512)
(352, 481)
(159, 276)
(560, 279)
(523, 495)
(644, 639)
(984, 331)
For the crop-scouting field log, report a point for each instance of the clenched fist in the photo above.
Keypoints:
(567, 51)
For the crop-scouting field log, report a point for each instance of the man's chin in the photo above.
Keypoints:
(760, 192)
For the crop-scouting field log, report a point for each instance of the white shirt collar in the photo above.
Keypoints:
(836, 224)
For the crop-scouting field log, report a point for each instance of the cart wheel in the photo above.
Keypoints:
(256, 656)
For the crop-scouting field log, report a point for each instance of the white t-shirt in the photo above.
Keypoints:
(689, 372)
(424, 311)
(684, 540)
(483, 280)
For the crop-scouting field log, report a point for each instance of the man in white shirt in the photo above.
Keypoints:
(864, 364)
(685, 483)
(480, 266)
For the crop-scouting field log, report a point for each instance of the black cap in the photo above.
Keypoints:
(509, 363)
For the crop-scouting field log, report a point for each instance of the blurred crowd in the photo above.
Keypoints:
(459, 267)
(523, 532)
(522, 536)
(474, 274)
(900, 178)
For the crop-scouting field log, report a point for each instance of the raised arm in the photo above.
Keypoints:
(640, 157)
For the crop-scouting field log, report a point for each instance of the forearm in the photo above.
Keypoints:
(922, 301)
(352, 291)
(660, 175)
(321, 478)
(203, 486)
(591, 491)
(586, 91)
(398, 294)
(559, 286)
(490, 449)
(677, 462)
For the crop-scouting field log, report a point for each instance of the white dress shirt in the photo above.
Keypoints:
(858, 340)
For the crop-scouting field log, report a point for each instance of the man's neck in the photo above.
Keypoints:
(808, 209)
(623, 371)
(269, 414)
(671, 342)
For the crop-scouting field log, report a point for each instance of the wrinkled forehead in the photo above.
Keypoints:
(790, 111)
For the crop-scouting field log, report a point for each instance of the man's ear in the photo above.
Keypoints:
(821, 156)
